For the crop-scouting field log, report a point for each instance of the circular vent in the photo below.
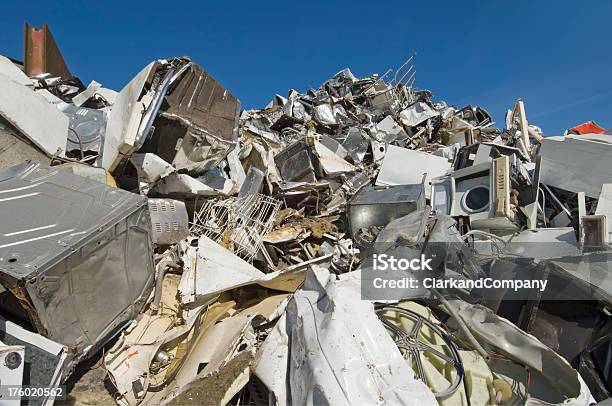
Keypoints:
(476, 199)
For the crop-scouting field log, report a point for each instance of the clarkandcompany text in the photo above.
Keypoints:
(452, 283)
(384, 262)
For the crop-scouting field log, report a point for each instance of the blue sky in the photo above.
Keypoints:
(556, 55)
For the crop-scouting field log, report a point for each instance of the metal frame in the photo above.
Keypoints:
(238, 224)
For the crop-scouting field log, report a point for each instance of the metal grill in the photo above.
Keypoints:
(238, 224)
(402, 80)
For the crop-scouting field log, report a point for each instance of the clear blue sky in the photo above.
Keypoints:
(556, 55)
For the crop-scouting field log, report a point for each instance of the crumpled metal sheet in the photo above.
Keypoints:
(150, 167)
(182, 185)
(163, 354)
(295, 163)
(417, 114)
(29, 112)
(209, 113)
(217, 270)
(227, 332)
(332, 349)
(392, 170)
(174, 131)
(129, 360)
(561, 384)
(587, 158)
(124, 119)
(392, 130)
(86, 94)
(330, 162)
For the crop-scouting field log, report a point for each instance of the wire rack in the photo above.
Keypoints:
(402, 79)
(238, 224)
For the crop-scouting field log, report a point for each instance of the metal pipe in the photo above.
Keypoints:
(466, 330)
(608, 361)
(149, 116)
(164, 264)
(523, 123)
(557, 201)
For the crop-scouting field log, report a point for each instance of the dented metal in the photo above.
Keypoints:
(209, 255)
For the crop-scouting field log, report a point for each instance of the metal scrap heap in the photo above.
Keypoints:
(162, 242)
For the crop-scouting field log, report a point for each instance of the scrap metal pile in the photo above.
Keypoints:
(205, 254)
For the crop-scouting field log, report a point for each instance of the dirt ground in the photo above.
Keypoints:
(89, 385)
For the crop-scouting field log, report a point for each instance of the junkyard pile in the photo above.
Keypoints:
(208, 255)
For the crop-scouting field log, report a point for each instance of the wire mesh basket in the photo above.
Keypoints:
(238, 224)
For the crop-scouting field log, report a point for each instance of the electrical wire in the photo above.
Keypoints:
(528, 385)
(80, 142)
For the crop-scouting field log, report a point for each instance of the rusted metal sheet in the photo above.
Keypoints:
(209, 113)
(41, 54)
(199, 98)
